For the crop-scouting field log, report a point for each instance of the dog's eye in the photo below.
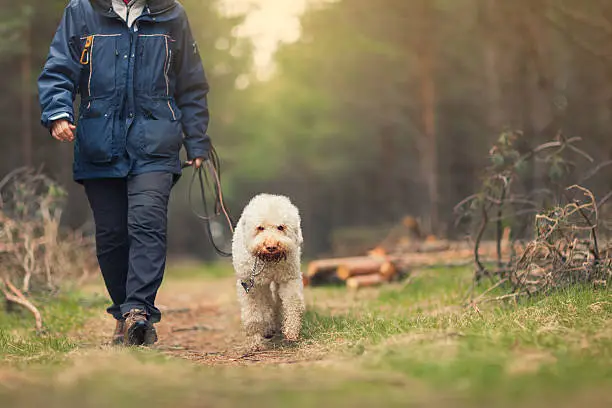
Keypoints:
(281, 227)
(260, 228)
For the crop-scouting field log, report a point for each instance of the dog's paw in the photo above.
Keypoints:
(257, 343)
(257, 347)
(292, 337)
(271, 333)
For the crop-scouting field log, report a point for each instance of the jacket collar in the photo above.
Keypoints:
(155, 6)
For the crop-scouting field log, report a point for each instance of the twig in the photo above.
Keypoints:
(604, 200)
(483, 226)
(594, 171)
(192, 328)
(465, 201)
(17, 297)
(499, 298)
(497, 285)
(500, 231)
(593, 226)
(5, 180)
(581, 153)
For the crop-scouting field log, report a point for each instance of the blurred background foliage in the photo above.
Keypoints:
(380, 109)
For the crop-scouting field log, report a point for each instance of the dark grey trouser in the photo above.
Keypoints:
(131, 224)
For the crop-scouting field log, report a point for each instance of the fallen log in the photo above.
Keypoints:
(363, 266)
(357, 282)
(388, 271)
(431, 255)
(325, 266)
(433, 246)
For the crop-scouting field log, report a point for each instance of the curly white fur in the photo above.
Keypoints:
(275, 304)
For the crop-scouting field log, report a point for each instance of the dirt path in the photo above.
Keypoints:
(201, 322)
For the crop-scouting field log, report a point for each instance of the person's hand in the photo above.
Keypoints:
(63, 130)
(197, 162)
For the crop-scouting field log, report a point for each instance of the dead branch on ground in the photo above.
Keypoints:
(34, 250)
(565, 248)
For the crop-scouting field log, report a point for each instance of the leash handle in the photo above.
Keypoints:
(186, 164)
(213, 169)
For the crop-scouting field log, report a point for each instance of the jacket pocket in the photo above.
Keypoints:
(162, 134)
(95, 132)
(101, 55)
(154, 64)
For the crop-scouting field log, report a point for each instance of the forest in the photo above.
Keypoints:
(379, 110)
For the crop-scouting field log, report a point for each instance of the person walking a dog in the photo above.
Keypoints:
(143, 94)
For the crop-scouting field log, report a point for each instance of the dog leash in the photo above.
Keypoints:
(250, 283)
(213, 167)
(210, 169)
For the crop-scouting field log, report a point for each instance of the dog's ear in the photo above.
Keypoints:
(241, 224)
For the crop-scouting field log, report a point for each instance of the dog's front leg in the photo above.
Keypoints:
(292, 300)
(256, 315)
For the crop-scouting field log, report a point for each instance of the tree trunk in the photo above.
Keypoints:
(386, 175)
(26, 97)
(429, 143)
(488, 15)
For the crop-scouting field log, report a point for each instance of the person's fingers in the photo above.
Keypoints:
(70, 133)
(72, 129)
(63, 131)
(67, 134)
(59, 131)
(55, 134)
(196, 163)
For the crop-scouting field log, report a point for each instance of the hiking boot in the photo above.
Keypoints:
(150, 336)
(119, 333)
(139, 331)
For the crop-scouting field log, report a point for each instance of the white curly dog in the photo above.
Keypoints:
(266, 253)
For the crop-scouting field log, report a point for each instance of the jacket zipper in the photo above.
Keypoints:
(91, 54)
(93, 40)
(166, 69)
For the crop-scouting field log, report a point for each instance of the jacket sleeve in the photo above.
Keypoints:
(191, 95)
(57, 84)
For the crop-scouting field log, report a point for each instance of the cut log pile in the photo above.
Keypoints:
(404, 250)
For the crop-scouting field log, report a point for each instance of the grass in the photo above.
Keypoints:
(20, 344)
(403, 345)
(559, 344)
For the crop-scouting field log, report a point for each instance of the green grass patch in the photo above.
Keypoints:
(411, 344)
(20, 344)
(560, 344)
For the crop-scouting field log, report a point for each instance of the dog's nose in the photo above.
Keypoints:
(271, 248)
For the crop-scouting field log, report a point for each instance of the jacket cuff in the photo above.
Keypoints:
(63, 115)
(199, 149)
(48, 121)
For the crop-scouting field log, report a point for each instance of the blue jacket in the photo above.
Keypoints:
(143, 89)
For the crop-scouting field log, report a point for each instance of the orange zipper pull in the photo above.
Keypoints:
(85, 54)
